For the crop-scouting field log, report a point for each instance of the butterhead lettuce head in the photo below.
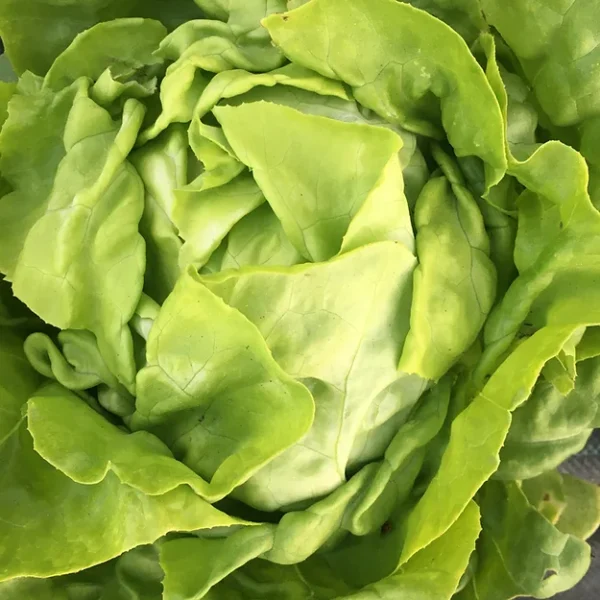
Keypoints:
(299, 300)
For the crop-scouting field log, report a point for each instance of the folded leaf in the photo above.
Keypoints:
(77, 364)
(97, 196)
(183, 83)
(400, 82)
(555, 45)
(194, 565)
(135, 575)
(32, 149)
(569, 503)
(432, 573)
(477, 436)
(581, 517)
(184, 398)
(235, 41)
(162, 166)
(320, 323)
(206, 216)
(230, 84)
(108, 516)
(296, 175)
(312, 94)
(53, 24)
(132, 40)
(455, 282)
(517, 560)
(259, 240)
(551, 426)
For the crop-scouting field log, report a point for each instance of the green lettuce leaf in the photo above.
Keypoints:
(464, 16)
(135, 575)
(455, 282)
(106, 514)
(162, 166)
(400, 82)
(298, 298)
(53, 24)
(133, 41)
(184, 399)
(551, 425)
(96, 288)
(332, 336)
(569, 503)
(540, 562)
(432, 573)
(315, 227)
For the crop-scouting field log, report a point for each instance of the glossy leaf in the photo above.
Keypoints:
(477, 436)
(105, 514)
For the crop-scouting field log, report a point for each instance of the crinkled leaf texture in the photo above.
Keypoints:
(297, 302)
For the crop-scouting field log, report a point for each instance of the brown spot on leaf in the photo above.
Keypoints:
(386, 528)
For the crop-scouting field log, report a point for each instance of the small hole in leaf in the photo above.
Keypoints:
(549, 573)
(386, 528)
